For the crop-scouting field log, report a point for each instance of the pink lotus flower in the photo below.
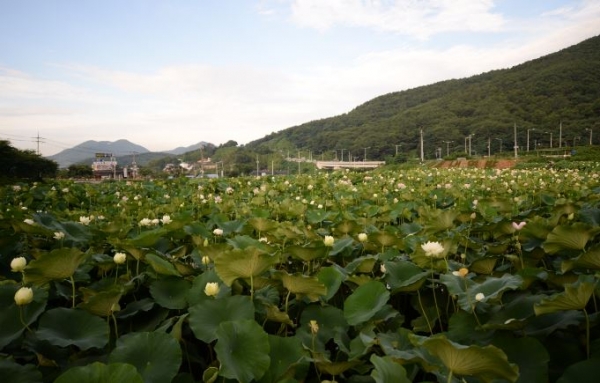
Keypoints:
(518, 226)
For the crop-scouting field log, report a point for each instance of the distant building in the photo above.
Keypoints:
(104, 166)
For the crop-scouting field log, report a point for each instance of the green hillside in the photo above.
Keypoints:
(539, 94)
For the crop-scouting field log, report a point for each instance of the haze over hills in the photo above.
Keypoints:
(85, 152)
(536, 96)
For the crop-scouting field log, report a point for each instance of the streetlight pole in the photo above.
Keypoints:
(365, 157)
(447, 147)
(528, 138)
(550, 133)
(470, 141)
(489, 147)
(342, 155)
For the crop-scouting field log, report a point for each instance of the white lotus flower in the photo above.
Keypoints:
(433, 249)
(212, 289)
(120, 258)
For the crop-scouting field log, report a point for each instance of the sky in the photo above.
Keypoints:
(166, 73)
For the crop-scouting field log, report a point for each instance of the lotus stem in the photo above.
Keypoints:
(587, 333)
(73, 290)
(22, 320)
(423, 311)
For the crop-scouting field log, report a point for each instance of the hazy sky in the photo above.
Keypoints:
(164, 74)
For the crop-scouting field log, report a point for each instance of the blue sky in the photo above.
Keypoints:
(165, 74)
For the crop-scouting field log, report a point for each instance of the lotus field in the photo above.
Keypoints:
(437, 275)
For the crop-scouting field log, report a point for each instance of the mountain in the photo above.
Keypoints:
(185, 149)
(560, 89)
(88, 149)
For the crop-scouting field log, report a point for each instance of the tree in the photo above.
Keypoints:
(24, 164)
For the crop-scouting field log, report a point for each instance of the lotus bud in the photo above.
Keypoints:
(18, 264)
(24, 296)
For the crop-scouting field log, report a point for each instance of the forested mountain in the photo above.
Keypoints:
(539, 94)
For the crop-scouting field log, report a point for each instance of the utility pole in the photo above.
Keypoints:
(397, 149)
(516, 147)
(342, 154)
(257, 166)
(560, 135)
(422, 151)
(38, 139)
(365, 157)
(489, 147)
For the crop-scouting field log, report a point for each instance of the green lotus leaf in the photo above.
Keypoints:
(243, 350)
(404, 276)
(514, 313)
(487, 363)
(590, 215)
(588, 260)
(586, 371)
(100, 373)
(384, 238)
(484, 265)
(335, 368)
(262, 224)
(74, 231)
(307, 253)
(170, 292)
(286, 355)
(214, 250)
(161, 265)
(132, 308)
(387, 370)
(546, 324)
(230, 227)
(529, 354)
(411, 228)
(362, 264)
(206, 316)
(275, 315)
(575, 297)
(365, 302)
(243, 241)
(59, 264)
(101, 303)
(73, 327)
(302, 285)
(10, 324)
(16, 373)
(440, 220)
(245, 264)
(568, 237)
(314, 216)
(345, 227)
(341, 245)
(148, 238)
(332, 277)
(156, 355)
(329, 319)
(466, 289)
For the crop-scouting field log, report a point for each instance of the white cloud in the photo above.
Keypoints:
(417, 18)
(179, 105)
